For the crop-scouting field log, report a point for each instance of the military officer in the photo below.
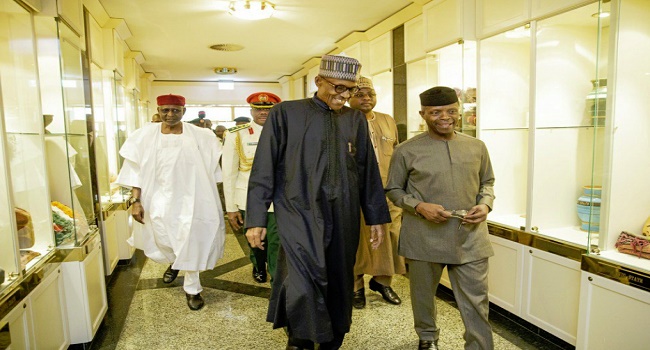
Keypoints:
(237, 159)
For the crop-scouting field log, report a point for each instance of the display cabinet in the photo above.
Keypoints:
(9, 261)
(24, 162)
(625, 212)
(504, 78)
(568, 133)
(540, 116)
(66, 135)
(453, 66)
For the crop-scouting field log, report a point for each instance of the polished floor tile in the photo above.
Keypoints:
(148, 314)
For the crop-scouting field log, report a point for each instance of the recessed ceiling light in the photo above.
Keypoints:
(225, 70)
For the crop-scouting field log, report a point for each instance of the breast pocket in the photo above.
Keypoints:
(387, 145)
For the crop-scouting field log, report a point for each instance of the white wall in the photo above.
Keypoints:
(209, 93)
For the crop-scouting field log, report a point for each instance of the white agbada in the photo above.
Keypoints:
(178, 175)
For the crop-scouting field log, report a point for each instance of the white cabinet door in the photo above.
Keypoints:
(493, 16)
(19, 326)
(414, 39)
(72, 12)
(447, 21)
(505, 274)
(110, 242)
(612, 315)
(125, 226)
(551, 293)
(85, 293)
(48, 314)
(541, 8)
(381, 55)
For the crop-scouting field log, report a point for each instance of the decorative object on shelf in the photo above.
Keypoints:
(2, 276)
(26, 256)
(469, 106)
(632, 244)
(589, 208)
(646, 227)
(25, 228)
(597, 102)
(63, 223)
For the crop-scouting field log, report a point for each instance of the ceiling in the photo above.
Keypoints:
(175, 36)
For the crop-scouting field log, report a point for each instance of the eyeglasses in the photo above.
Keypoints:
(173, 110)
(342, 88)
(365, 94)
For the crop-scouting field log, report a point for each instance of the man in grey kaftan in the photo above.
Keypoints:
(444, 182)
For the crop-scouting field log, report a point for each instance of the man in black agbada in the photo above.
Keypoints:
(316, 163)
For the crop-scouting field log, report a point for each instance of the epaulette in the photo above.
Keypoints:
(239, 127)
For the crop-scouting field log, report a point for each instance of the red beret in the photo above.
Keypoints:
(263, 100)
(175, 100)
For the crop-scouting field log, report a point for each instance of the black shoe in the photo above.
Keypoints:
(386, 291)
(359, 299)
(427, 345)
(259, 276)
(194, 301)
(299, 344)
(170, 275)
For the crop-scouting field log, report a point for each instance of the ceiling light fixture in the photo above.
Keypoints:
(251, 10)
(225, 70)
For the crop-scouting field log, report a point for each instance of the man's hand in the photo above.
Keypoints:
(432, 212)
(255, 236)
(376, 235)
(235, 220)
(477, 214)
(137, 211)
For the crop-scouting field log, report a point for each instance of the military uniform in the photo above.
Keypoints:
(237, 159)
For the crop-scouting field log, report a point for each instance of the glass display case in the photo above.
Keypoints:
(9, 265)
(504, 80)
(123, 109)
(65, 129)
(546, 144)
(453, 66)
(625, 212)
(110, 126)
(568, 134)
(23, 137)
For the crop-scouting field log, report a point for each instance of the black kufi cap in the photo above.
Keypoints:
(438, 96)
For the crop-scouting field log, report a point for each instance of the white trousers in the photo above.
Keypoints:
(192, 282)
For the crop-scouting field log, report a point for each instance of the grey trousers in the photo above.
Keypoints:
(470, 286)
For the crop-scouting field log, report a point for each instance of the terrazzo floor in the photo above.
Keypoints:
(145, 313)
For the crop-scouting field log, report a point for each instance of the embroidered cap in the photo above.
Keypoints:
(339, 67)
(365, 83)
(173, 100)
(438, 96)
